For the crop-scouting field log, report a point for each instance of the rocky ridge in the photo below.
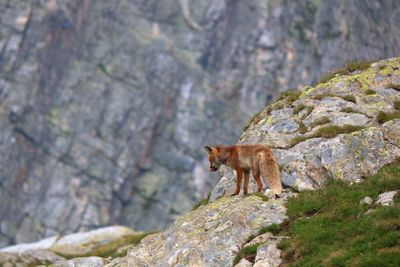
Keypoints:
(214, 233)
(105, 105)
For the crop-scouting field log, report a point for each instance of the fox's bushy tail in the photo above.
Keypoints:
(270, 173)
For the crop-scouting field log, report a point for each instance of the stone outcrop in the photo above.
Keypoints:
(349, 148)
(111, 241)
(105, 105)
(307, 160)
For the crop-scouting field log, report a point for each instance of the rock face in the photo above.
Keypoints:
(105, 105)
(104, 241)
(306, 160)
(214, 233)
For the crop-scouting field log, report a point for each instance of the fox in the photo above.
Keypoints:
(243, 158)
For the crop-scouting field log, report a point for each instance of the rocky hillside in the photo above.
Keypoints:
(344, 128)
(105, 105)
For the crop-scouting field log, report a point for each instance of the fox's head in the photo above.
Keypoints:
(213, 158)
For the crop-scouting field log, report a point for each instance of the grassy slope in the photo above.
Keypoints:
(330, 227)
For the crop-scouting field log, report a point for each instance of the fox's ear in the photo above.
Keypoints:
(208, 149)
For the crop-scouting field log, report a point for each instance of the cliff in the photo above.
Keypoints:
(325, 137)
(105, 105)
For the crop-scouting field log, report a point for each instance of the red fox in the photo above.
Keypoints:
(243, 158)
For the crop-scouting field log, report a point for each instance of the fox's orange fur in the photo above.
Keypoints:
(245, 158)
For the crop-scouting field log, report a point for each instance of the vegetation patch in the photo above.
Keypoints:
(308, 111)
(383, 117)
(396, 105)
(302, 127)
(349, 110)
(347, 69)
(348, 98)
(299, 108)
(289, 97)
(393, 86)
(255, 119)
(248, 253)
(370, 92)
(204, 201)
(321, 121)
(299, 139)
(328, 131)
(329, 227)
(110, 249)
(334, 130)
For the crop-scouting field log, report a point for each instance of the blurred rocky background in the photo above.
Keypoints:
(105, 105)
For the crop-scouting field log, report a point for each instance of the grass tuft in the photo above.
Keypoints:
(329, 227)
(299, 108)
(383, 117)
(321, 121)
(396, 105)
(328, 131)
(255, 119)
(370, 92)
(302, 127)
(289, 97)
(333, 130)
(246, 252)
(349, 98)
(393, 86)
(347, 69)
(202, 202)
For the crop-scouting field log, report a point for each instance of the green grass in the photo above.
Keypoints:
(202, 202)
(396, 105)
(349, 110)
(349, 98)
(370, 92)
(329, 227)
(308, 111)
(383, 117)
(328, 131)
(321, 121)
(110, 249)
(393, 86)
(302, 127)
(255, 119)
(246, 252)
(289, 97)
(333, 130)
(347, 69)
(299, 108)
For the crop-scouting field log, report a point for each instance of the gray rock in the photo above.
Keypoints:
(209, 236)
(244, 263)
(98, 97)
(366, 200)
(268, 255)
(41, 245)
(386, 199)
(81, 262)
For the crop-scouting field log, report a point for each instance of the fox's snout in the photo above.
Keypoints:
(213, 169)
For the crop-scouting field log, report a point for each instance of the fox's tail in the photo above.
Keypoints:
(270, 172)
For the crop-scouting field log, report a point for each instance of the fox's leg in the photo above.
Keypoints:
(256, 174)
(239, 173)
(246, 181)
